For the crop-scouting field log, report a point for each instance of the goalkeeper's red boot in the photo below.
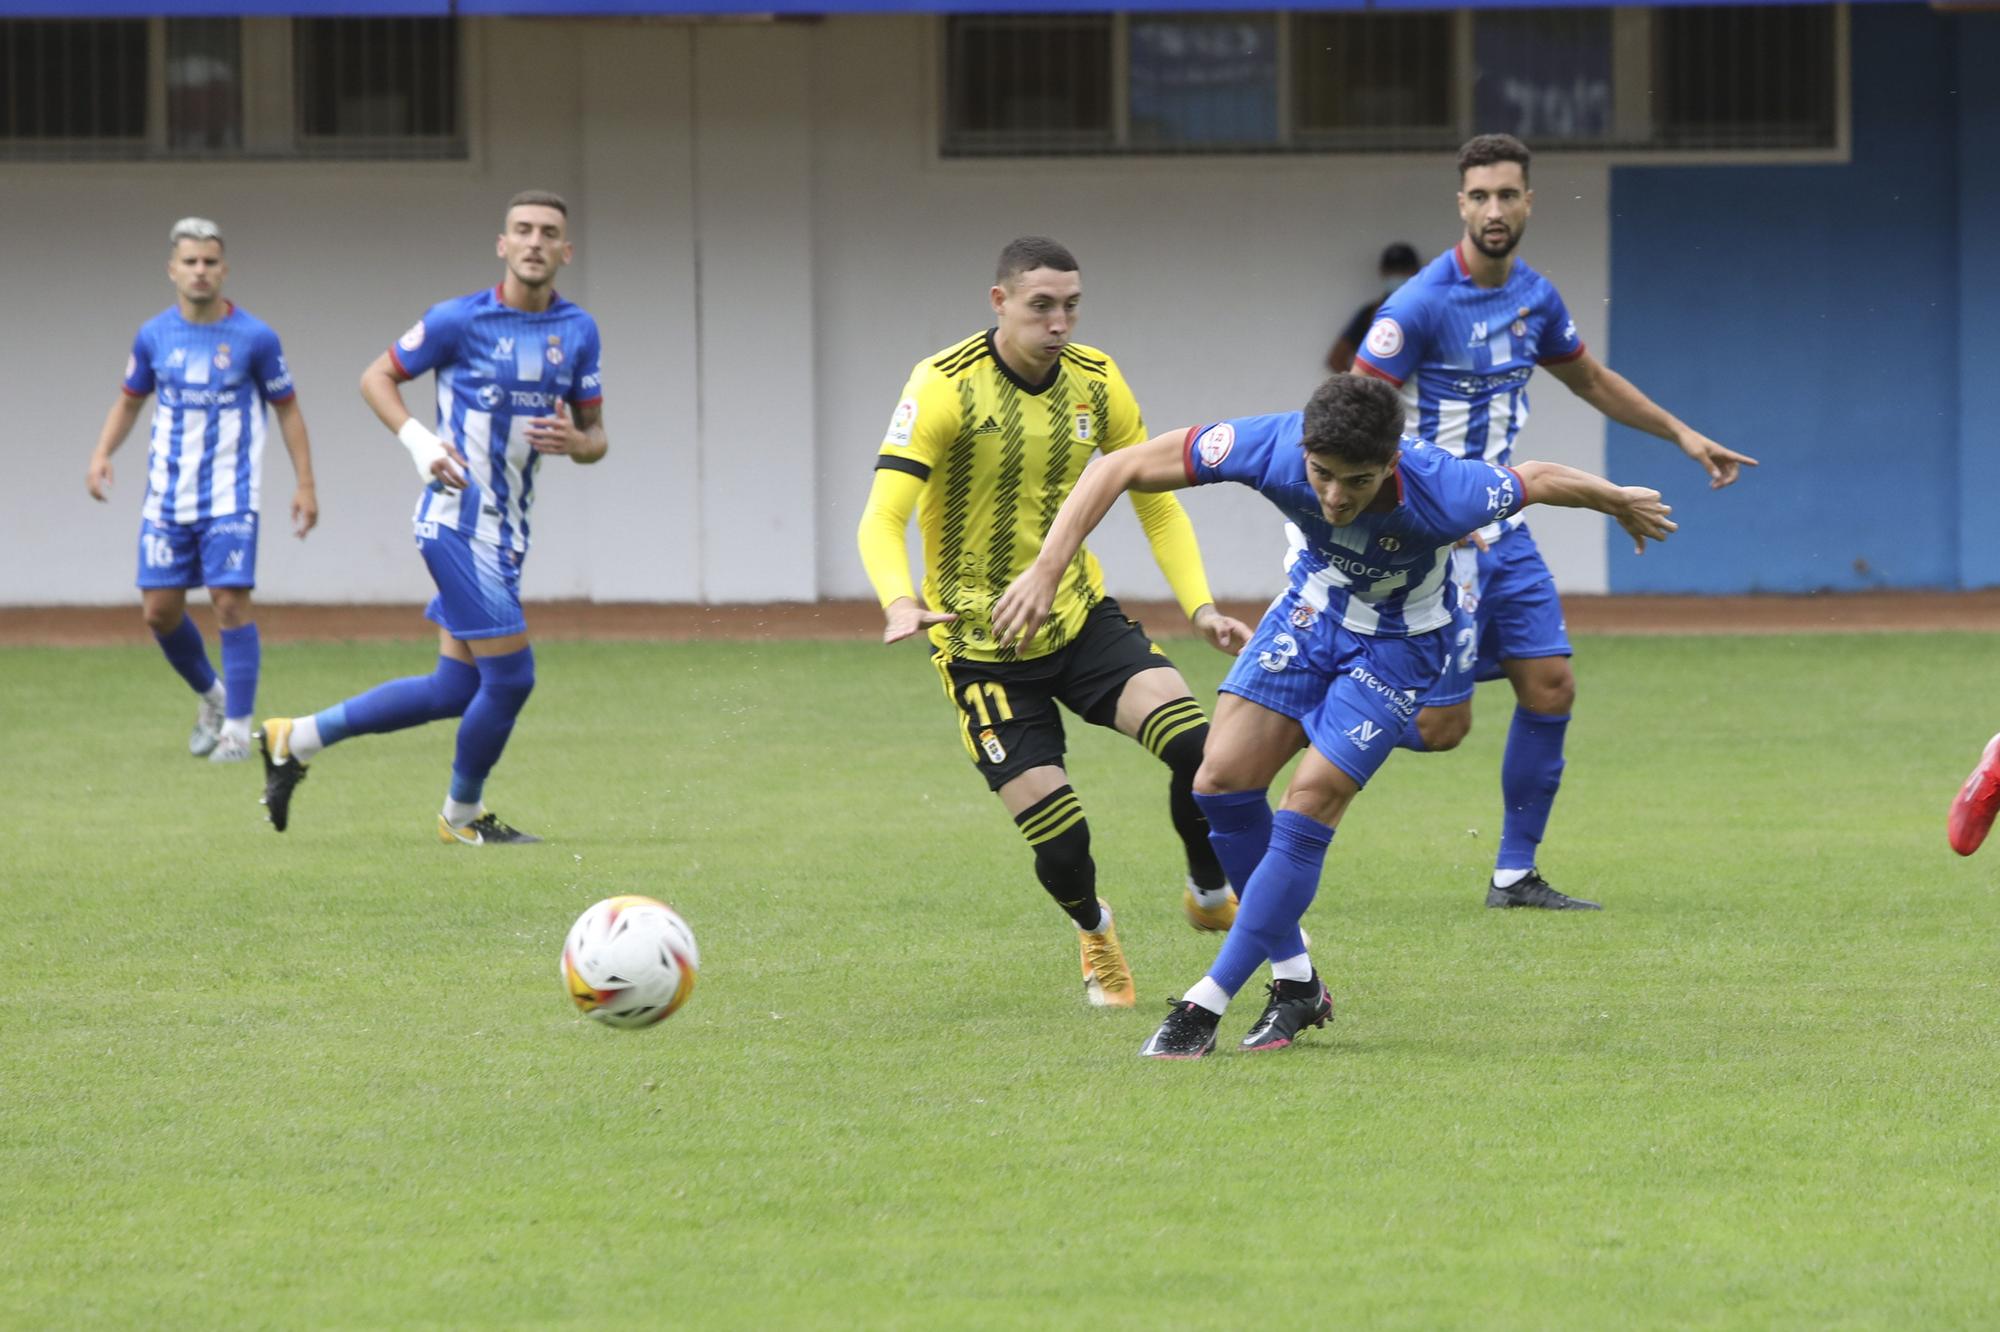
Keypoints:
(1978, 801)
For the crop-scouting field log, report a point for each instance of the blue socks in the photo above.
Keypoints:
(1530, 772)
(1276, 896)
(242, 654)
(400, 704)
(187, 654)
(504, 686)
(1239, 828)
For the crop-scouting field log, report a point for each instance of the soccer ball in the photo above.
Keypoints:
(629, 961)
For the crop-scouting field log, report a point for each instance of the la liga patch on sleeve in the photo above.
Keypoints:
(1385, 339)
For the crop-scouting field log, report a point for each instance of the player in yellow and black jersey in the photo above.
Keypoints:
(988, 440)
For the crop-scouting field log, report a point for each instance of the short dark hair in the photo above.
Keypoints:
(538, 199)
(1025, 254)
(1399, 258)
(1356, 419)
(1487, 149)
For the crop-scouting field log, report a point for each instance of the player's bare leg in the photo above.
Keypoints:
(1530, 775)
(1446, 727)
(1050, 817)
(165, 612)
(1157, 709)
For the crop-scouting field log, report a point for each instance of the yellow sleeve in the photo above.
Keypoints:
(883, 522)
(924, 426)
(1161, 516)
(1171, 536)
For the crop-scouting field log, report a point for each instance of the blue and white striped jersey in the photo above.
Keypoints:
(1461, 353)
(206, 459)
(1387, 572)
(498, 369)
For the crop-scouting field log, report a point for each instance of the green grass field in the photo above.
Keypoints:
(330, 1079)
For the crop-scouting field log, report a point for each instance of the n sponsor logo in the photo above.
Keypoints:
(1478, 333)
(1362, 734)
(503, 350)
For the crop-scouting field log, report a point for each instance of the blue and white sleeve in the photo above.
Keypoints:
(430, 342)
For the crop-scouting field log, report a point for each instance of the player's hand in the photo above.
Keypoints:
(1643, 515)
(305, 511)
(99, 479)
(1224, 633)
(1024, 607)
(1722, 465)
(557, 434)
(906, 617)
(449, 471)
(1475, 539)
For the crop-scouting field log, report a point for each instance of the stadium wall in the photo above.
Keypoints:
(1829, 320)
(771, 243)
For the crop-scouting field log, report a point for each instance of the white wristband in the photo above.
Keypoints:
(425, 448)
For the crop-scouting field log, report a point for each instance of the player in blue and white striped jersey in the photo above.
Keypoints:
(517, 378)
(212, 368)
(1338, 663)
(1460, 341)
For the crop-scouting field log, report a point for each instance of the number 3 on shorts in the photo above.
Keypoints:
(987, 700)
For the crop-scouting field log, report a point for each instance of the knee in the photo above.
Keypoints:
(162, 620)
(232, 612)
(512, 674)
(1444, 728)
(1552, 692)
(1176, 733)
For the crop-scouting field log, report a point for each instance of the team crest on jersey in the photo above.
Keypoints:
(555, 350)
(1083, 422)
(1520, 328)
(1385, 338)
(1303, 615)
(995, 751)
(902, 423)
(222, 357)
(413, 337)
(1216, 443)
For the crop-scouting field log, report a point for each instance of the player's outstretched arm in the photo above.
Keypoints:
(117, 425)
(1641, 512)
(884, 520)
(381, 389)
(1620, 399)
(305, 498)
(1153, 466)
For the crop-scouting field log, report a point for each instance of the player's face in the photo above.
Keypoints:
(1345, 488)
(535, 244)
(1036, 313)
(1494, 202)
(196, 268)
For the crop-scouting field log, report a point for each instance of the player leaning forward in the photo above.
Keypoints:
(1338, 663)
(517, 371)
(990, 435)
(214, 367)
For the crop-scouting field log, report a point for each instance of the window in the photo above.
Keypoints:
(389, 82)
(82, 90)
(70, 80)
(1764, 77)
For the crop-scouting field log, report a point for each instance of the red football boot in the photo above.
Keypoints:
(1978, 801)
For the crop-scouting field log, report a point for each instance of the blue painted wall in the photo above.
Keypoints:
(1811, 317)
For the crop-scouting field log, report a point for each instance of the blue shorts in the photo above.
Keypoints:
(478, 583)
(209, 552)
(1508, 610)
(1353, 693)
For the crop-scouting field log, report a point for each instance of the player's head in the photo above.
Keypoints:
(1397, 265)
(1036, 291)
(1352, 429)
(194, 260)
(1493, 195)
(534, 237)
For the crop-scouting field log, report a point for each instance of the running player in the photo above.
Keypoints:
(517, 377)
(1460, 340)
(1339, 661)
(989, 437)
(213, 367)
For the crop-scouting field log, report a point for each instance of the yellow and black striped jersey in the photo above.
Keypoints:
(998, 457)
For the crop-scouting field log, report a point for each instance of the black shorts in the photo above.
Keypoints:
(1007, 709)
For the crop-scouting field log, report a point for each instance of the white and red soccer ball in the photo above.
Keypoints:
(629, 961)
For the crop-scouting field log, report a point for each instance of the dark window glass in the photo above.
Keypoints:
(1028, 84)
(1543, 75)
(1373, 76)
(1204, 81)
(73, 79)
(377, 78)
(204, 85)
(1751, 76)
